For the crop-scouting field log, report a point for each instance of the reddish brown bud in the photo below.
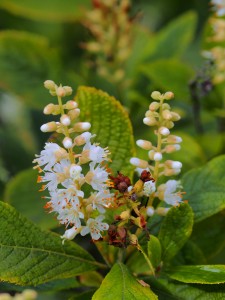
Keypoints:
(146, 176)
(121, 182)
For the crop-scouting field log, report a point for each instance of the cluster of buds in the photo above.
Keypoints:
(162, 118)
(110, 25)
(25, 295)
(77, 180)
(217, 53)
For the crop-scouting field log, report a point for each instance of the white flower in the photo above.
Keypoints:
(95, 153)
(70, 234)
(170, 195)
(97, 177)
(70, 214)
(100, 200)
(219, 7)
(149, 188)
(94, 227)
(75, 172)
(49, 156)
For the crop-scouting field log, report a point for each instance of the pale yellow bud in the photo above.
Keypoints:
(156, 95)
(168, 124)
(79, 140)
(125, 215)
(175, 116)
(172, 148)
(171, 172)
(60, 92)
(29, 294)
(49, 109)
(140, 163)
(144, 144)
(70, 104)
(166, 114)
(168, 95)
(174, 139)
(74, 113)
(162, 211)
(49, 85)
(151, 154)
(49, 127)
(67, 143)
(133, 239)
(154, 106)
(166, 106)
(150, 121)
(65, 120)
(82, 126)
(68, 90)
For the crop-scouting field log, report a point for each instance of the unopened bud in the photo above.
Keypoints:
(175, 116)
(125, 215)
(70, 234)
(154, 106)
(150, 211)
(168, 95)
(70, 104)
(143, 164)
(173, 164)
(164, 131)
(49, 127)
(174, 139)
(82, 139)
(168, 124)
(162, 211)
(60, 92)
(166, 114)
(74, 113)
(151, 154)
(157, 156)
(171, 172)
(156, 95)
(150, 121)
(144, 144)
(49, 84)
(67, 143)
(68, 90)
(81, 126)
(49, 109)
(172, 148)
(133, 239)
(166, 106)
(150, 113)
(29, 294)
(65, 120)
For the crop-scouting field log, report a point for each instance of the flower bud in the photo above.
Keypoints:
(150, 113)
(144, 144)
(171, 172)
(125, 215)
(168, 95)
(60, 92)
(154, 106)
(133, 239)
(166, 106)
(166, 114)
(168, 124)
(67, 143)
(5, 296)
(174, 139)
(74, 113)
(70, 104)
(150, 211)
(151, 154)
(173, 164)
(156, 95)
(172, 148)
(82, 139)
(162, 211)
(150, 121)
(68, 90)
(49, 127)
(49, 85)
(29, 294)
(65, 120)
(81, 126)
(175, 116)
(70, 233)
(143, 164)
(49, 109)
(157, 156)
(164, 131)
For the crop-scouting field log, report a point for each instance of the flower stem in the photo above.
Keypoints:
(147, 259)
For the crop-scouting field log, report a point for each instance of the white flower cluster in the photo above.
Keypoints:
(76, 180)
(162, 117)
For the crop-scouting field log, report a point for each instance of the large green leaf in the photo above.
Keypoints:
(204, 274)
(175, 230)
(173, 39)
(51, 10)
(30, 256)
(154, 251)
(170, 75)
(110, 123)
(205, 188)
(120, 284)
(22, 193)
(26, 61)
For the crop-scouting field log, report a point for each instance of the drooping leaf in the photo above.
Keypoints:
(30, 256)
(175, 230)
(22, 193)
(120, 284)
(204, 274)
(170, 75)
(56, 10)
(110, 123)
(205, 188)
(154, 251)
(173, 39)
(26, 61)
(91, 279)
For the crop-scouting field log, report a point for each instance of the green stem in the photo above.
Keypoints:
(147, 259)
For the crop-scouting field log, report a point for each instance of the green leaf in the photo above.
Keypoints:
(110, 123)
(22, 193)
(56, 10)
(154, 251)
(205, 188)
(173, 39)
(26, 61)
(175, 230)
(170, 75)
(30, 256)
(120, 284)
(204, 274)
(91, 279)
(207, 235)
(83, 296)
